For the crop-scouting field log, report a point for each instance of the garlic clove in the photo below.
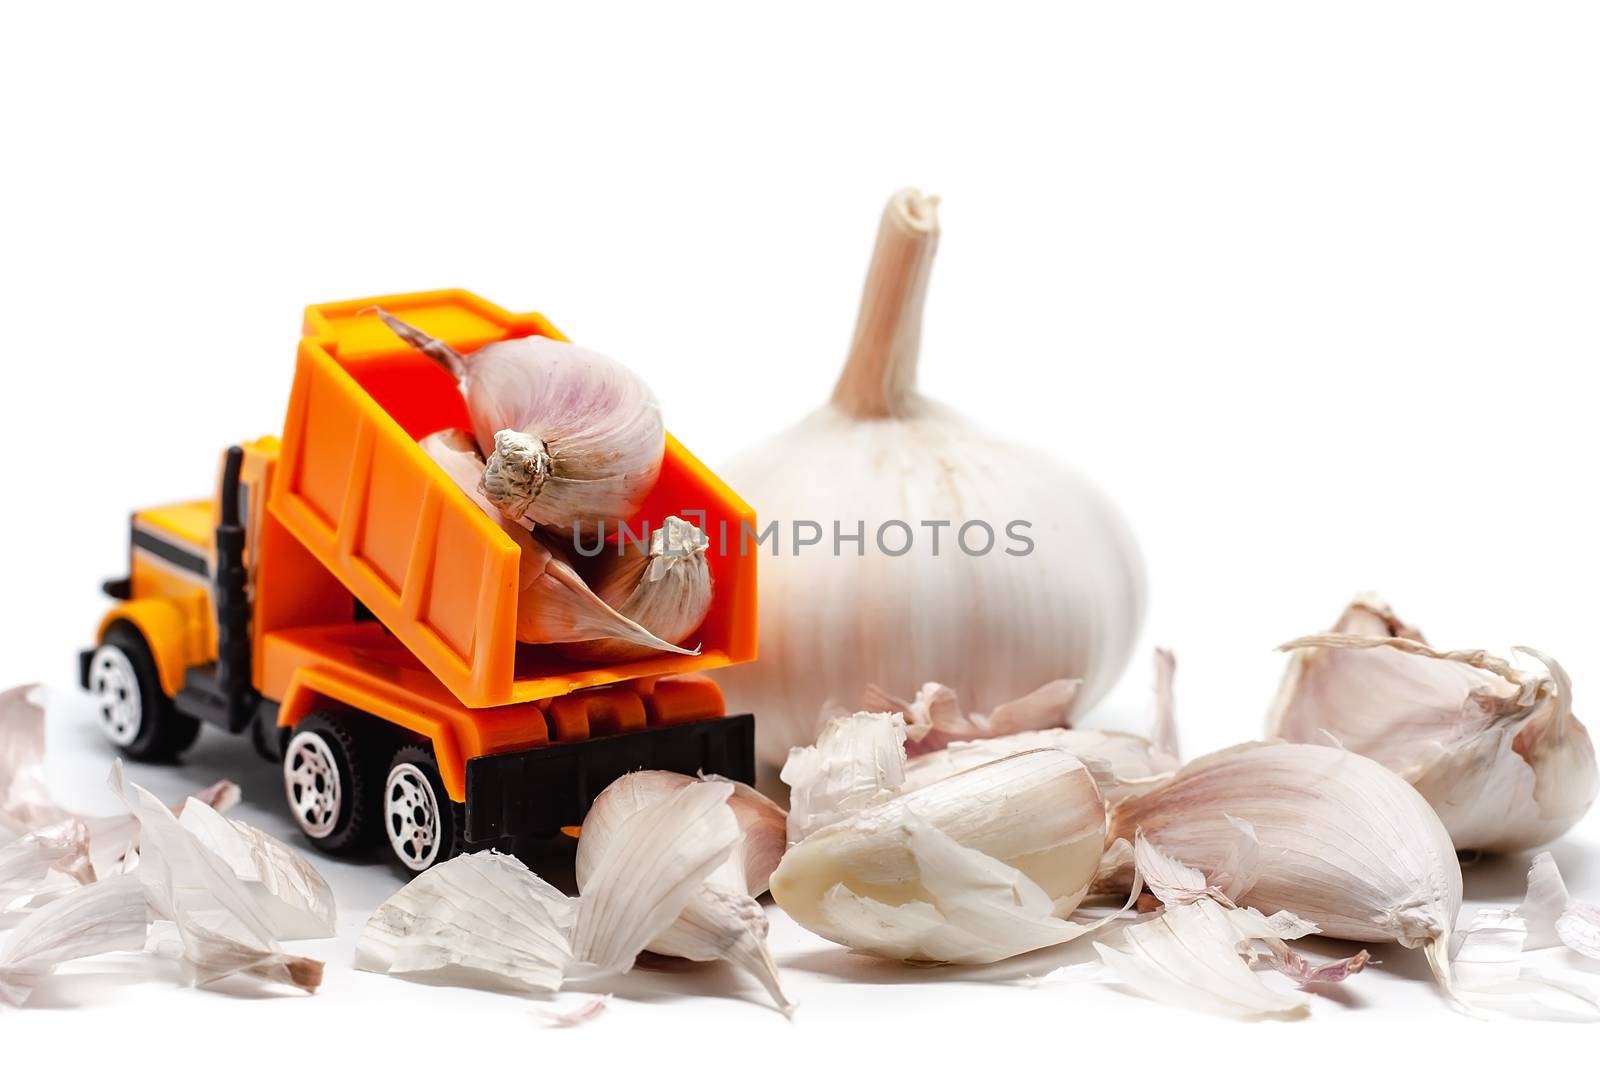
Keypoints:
(294, 899)
(554, 604)
(483, 913)
(857, 762)
(651, 867)
(1024, 841)
(574, 439)
(722, 919)
(665, 588)
(1496, 750)
(1343, 842)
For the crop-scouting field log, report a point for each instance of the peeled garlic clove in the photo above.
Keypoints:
(574, 439)
(942, 872)
(722, 919)
(554, 604)
(1496, 750)
(665, 588)
(1343, 842)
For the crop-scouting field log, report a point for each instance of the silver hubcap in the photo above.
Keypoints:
(116, 690)
(411, 816)
(311, 780)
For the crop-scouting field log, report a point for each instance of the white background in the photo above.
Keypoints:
(1310, 290)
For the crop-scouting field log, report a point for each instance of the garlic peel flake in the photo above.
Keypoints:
(483, 912)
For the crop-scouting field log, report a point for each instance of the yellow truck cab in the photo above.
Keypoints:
(339, 599)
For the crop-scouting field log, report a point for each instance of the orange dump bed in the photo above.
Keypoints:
(355, 489)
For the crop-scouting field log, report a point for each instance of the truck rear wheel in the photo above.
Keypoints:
(423, 825)
(135, 713)
(332, 793)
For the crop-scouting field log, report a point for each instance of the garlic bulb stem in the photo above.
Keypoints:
(880, 373)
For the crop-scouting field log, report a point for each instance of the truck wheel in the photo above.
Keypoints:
(136, 714)
(330, 790)
(423, 824)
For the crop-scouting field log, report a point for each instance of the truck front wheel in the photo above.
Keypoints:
(331, 791)
(424, 826)
(135, 713)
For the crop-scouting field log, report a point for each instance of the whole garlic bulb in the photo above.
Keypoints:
(883, 460)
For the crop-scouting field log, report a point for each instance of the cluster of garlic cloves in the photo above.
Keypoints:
(1494, 748)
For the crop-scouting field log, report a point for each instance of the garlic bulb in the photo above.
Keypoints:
(722, 920)
(666, 588)
(554, 603)
(1496, 750)
(574, 439)
(987, 566)
(1344, 843)
(973, 869)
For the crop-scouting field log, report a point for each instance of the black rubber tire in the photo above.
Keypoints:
(355, 825)
(266, 736)
(452, 816)
(164, 731)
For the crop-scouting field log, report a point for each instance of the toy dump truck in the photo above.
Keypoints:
(343, 602)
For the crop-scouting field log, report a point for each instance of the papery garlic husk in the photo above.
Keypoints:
(722, 920)
(1344, 842)
(482, 912)
(989, 625)
(25, 803)
(39, 866)
(935, 717)
(554, 603)
(973, 869)
(106, 916)
(664, 587)
(858, 761)
(224, 926)
(1123, 764)
(1496, 750)
(574, 439)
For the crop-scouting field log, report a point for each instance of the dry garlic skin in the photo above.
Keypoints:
(1038, 812)
(1344, 842)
